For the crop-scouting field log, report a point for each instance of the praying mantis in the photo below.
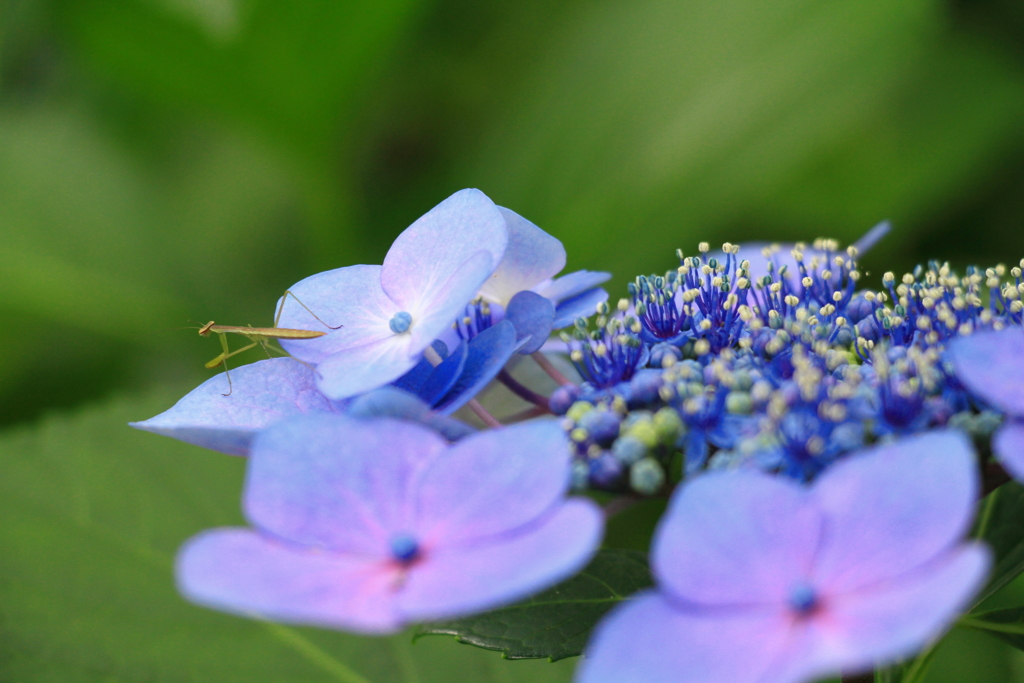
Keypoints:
(260, 336)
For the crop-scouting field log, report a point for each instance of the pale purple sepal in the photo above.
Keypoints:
(580, 306)
(431, 272)
(422, 260)
(329, 496)
(872, 237)
(251, 574)
(1008, 447)
(796, 583)
(554, 547)
(532, 316)
(991, 364)
(532, 256)
(650, 640)
(772, 520)
(262, 393)
(571, 285)
(886, 513)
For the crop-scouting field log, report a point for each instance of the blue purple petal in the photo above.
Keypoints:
(991, 365)
(531, 315)
(488, 353)
(505, 568)
(532, 256)
(580, 306)
(336, 482)
(262, 393)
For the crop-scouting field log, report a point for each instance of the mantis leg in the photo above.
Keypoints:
(280, 310)
(222, 359)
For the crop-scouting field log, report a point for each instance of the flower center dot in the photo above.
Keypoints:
(803, 599)
(400, 322)
(404, 548)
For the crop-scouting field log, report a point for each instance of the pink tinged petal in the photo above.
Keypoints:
(337, 482)
(649, 639)
(894, 508)
(441, 306)
(240, 571)
(532, 256)
(991, 364)
(351, 297)
(879, 624)
(364, 368)
(495, 571)
(1008, 446)
(423, 259)
(736, 538)
(261, 393)
(493, 482)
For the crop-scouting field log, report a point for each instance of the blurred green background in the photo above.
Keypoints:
(168, 162)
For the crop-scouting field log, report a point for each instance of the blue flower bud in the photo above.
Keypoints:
(601, 425)
(562, 398)
(605, 470)
(644, 387)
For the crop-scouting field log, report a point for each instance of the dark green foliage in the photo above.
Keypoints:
(556, 623)
(1001, 525)
(1005, 624)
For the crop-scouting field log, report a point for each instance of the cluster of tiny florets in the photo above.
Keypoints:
(708, 366)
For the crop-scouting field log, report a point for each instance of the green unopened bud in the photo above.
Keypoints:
(739, 403)
(668, 426)
(578, 410)
(647, 476)
(644, 431)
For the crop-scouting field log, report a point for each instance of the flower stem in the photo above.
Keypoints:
(994, 477)
(547, 367)
(618, 505)
(482, 413)
(522, 392)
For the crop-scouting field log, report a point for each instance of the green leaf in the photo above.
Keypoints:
(1005, 624)
(556, 623)
(91, 515)
(1001, 525)
(288, 69)
(912, 671)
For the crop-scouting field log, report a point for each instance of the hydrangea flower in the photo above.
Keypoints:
(391, 313)
(370, 525)
(991, 365)
(761, 580)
